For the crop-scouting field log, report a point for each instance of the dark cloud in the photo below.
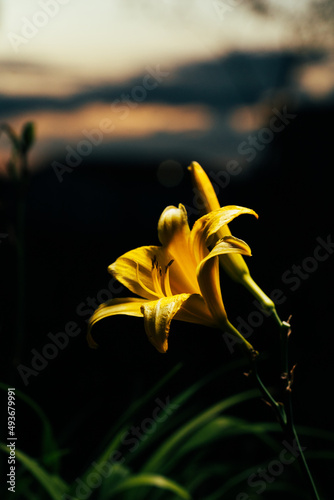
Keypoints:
(234, 80)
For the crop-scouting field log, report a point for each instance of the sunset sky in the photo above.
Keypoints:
(94, 54)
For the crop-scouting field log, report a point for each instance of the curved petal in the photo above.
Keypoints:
(208, 275)
(233, 264)
(229, 245)
(210, 224)
(195, 310)
(128, 306)
(208, 280)
(158, 315)
(134, 270)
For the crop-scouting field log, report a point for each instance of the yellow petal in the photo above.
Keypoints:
(210, 224)
(174, 234)
(127, 306)
(233, 264)
(158, 315)
(134, 270)
(208, 280)
(208, 275)
(195, 310)
(229, 245)
(204, 187)
(227, 248)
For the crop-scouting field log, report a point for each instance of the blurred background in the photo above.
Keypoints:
(123, 96)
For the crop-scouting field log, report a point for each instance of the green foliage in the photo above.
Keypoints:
(27, 137)
(20, 145)
(194, 453)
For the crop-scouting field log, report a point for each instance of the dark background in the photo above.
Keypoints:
(76, 228)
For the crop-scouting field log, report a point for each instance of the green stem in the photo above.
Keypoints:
(306, 469)
(277, 407)
(287, 375)
(284, 418)
(268, 305)
(286, 422)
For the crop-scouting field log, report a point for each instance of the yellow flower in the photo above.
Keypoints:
(180, 278)
(234, 264)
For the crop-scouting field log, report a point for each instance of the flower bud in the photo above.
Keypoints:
(233, 264)
(173, 221)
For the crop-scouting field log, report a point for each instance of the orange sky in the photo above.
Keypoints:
(79, 45)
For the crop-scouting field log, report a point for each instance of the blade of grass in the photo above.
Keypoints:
(53, 484)
(160, 458)
(50, 451)
(155, 480)
(223, 427)
(107, 458)
(165, 428)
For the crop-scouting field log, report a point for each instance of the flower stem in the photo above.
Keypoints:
(277, 407)
(288, 376)
(306, 469)
(285, 418)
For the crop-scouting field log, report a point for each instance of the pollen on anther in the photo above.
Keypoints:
(168, 265)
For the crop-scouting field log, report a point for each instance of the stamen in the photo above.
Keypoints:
(169, 264)
(156, 281)
(160, 278)
(166, 282)
(154, 262)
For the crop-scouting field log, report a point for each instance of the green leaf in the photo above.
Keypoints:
(54, 485)
(11, 135)
(182, 413)
(111, 459)
(165, 453)
(27, 136)
(50, 450)
(155, 480)
(115, 435)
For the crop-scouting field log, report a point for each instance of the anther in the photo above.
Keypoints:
(168, 265)
(154, 260)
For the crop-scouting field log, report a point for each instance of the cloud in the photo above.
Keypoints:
(207, 106)
(237, 79)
